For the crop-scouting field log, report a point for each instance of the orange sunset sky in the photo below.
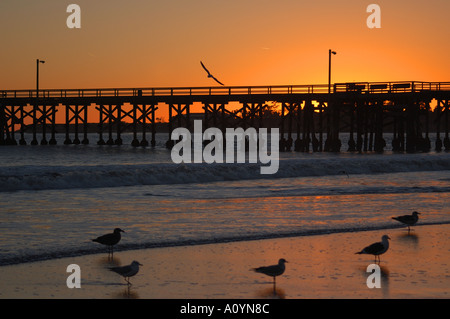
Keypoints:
(160, 43)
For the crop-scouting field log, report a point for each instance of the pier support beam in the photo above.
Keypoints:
(351, 140)
(379, 143)
(309, 138)
(43, 121)
(411, 126)
(214, 113)
(34, 125)
(182, 116)
(215, 116)
(298, 144)
(67, 141)
(23, 113)
(118, 140)
(85, 121)
(427, 127)
(53, 111)
(111, 120)
(41, 115)
(141, 114)
(135, 142)
(102, 119)
(74, 115)
(288, 112)
(7, 125)
(148, 112)
(333, 143)
(446, 111)
(9, 118)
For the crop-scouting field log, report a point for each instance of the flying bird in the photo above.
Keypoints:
(110, 239)
(127, 271)
(377, 249)
(209, 74)
(274, 270)
(409, 220)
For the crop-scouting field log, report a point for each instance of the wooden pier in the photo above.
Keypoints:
(309, 117)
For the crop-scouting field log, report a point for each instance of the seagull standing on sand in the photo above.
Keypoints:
(274, 270)
(377, 249)
(409, 220)
(209, 74)
(127, 271)
(110, 239)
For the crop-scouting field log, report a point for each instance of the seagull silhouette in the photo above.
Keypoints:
(377, 249)
(110, 239)
(409, 220)
(272, 271)
(209, 74)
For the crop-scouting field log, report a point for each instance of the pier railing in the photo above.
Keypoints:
(362, 87)
(391, 87)
(176, 91)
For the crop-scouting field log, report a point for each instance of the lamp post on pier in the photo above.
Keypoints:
(37, 76)
(34, 141)
(330, 138)
(329, 69)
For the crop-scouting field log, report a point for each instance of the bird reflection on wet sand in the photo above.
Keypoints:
(384, 277)
(126, 293)
(409, 238)
(271, 293)
(108, 262)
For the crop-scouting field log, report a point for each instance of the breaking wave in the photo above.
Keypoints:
(42, 177)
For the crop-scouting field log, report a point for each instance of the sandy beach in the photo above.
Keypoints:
(417, 265)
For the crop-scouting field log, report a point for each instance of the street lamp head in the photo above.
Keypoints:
(41, 61)
(334, 52)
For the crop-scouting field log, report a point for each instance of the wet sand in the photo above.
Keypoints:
(417, 265)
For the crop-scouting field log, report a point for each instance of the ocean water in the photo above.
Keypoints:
(55, 199)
